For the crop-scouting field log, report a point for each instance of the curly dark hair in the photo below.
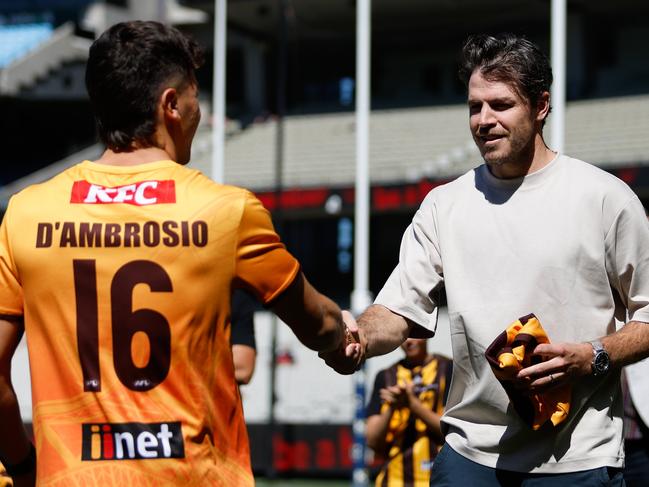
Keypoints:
(128, 67)
(507, 58)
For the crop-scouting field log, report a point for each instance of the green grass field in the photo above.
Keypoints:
(301, 483)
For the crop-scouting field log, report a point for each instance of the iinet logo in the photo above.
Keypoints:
(131, 441)
(142, 193)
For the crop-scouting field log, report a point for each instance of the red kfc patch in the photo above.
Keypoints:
(142, 193)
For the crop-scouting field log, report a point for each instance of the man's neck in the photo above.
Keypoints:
(134, 157)
(538, 157)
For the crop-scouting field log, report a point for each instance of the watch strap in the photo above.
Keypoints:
(597, 346)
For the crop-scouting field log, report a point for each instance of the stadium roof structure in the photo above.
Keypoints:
(17, 40)
(41, 49)
(406, 145)
(323, 18)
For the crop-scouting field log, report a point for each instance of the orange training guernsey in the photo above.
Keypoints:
(124, 277)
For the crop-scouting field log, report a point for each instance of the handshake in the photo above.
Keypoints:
(350, 354)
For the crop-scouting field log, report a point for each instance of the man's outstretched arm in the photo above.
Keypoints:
(314, 318)
(378, 331)
(381, 330)
(15, 447)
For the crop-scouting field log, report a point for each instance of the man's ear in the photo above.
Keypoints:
(169, 104)
(543, 106)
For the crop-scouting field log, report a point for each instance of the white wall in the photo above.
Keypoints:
(21, 382)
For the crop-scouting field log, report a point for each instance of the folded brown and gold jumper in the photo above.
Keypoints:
(512, 351)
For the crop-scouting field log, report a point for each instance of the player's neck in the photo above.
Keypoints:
(417, 361)
(134, 157)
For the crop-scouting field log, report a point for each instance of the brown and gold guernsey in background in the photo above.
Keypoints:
(411, 448)
(123, 276)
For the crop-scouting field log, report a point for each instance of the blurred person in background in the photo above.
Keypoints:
(528, 231)
(403, 415)
(635, 393)
(242, 337)
(120, 272)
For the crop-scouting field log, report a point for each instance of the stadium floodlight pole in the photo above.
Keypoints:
(283, 8)
(558, 58)
(218, 91)
(162, 11)
(361, 297)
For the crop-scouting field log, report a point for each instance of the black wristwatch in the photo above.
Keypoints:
(601, 361)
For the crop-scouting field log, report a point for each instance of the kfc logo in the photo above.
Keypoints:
(142, 193)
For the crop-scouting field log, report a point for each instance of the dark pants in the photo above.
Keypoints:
(636, 469)
(453, 470)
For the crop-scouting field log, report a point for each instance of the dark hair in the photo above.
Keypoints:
(510, 59)
(127, 69)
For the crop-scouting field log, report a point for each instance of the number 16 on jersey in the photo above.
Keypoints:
(125, 323)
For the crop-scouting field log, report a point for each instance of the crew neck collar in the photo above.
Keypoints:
(524, 182)
(137, 168)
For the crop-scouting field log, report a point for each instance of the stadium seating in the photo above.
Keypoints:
(410, 144)
(30, 51)
(405, 145)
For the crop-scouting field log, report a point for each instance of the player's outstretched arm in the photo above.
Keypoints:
(15, 448)
(314, 318)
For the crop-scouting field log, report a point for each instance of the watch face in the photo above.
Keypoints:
(601, 363)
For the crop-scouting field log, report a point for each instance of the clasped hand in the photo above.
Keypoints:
(347, 358)
(398, 396)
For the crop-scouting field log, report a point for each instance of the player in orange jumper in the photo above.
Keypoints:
(120, 272)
